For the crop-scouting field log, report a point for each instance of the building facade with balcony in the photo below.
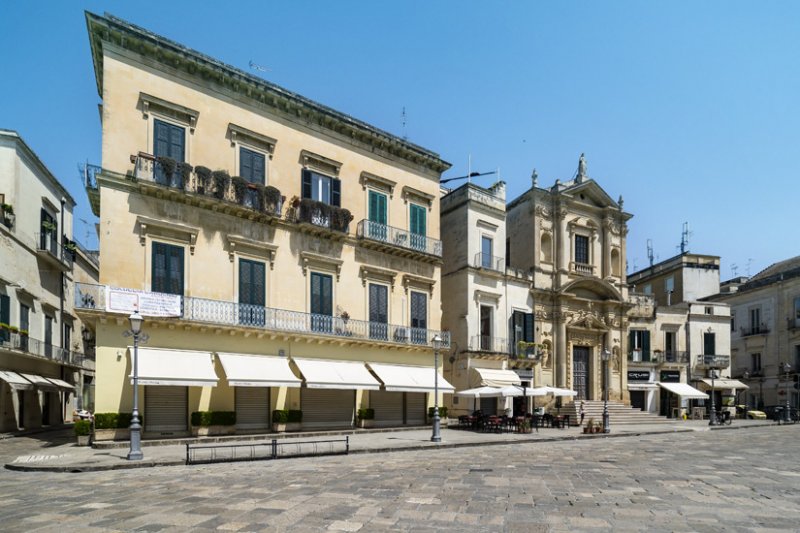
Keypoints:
(571, 238)
(285, 256)
(489, 307)
(765, 333)
(40, 367)
(686, 277)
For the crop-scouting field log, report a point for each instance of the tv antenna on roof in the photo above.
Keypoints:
(403, 118)
(650, 251)
(685, 238)
(256, 66)
(749, 260)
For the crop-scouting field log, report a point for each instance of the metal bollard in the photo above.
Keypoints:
(347, 445)
(274, 449)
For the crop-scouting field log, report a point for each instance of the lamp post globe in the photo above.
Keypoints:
(437, 345)
(135, 453)
(606, 357)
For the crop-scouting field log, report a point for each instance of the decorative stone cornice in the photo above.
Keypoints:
(162, 228)
(174, 57)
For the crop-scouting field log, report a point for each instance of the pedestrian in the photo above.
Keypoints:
(582, 411)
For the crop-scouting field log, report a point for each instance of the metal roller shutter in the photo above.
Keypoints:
(165, 408)
(388, 408)
(327, 408)
(489, 406)
(415, 408)
(252, 407)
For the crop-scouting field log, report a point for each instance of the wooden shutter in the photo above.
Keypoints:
(528, 329)
(258, 168)
(175, 270)
(158, 282)
(321, 294)
(161, 136)
(306, 183)
(5, 316)
(645, 346)
(709, 344)
(259, 283)
(176, 139)
(246, 164)
(336, 192)
(378, 303)
(418, 220)
(245, 282)
(419, 311)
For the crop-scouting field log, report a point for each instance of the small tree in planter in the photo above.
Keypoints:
(204, 183)
(240, 189)
(185, 171)
(83, 431)
(271, 200)
(286, 420)
(165, 172)
(206, 423)
(220, 179)
(366, 417)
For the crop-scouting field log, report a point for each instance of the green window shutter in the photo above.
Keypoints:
(528, 327)
(246, 164)
(336, 192)
(306, 184)
(417, 216)
(158, 281)
(645, 345)
(377, 207)
(709, 344)
(5, 316)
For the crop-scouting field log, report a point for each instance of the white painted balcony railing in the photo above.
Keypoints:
(487, 343)
(489, 262)
(234, 314)
(378, 232)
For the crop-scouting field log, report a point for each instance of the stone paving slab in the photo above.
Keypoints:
(65, 456)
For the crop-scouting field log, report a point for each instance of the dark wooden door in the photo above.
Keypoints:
(580, 371)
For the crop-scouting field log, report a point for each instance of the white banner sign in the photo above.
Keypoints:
(147, 303)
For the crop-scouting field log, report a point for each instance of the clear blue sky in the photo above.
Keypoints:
(690, 110)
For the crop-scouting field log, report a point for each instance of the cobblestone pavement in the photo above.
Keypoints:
(745, 480)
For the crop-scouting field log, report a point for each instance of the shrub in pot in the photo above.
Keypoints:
(83, 432)
(220, 179)
(213, 423)
(366, 417)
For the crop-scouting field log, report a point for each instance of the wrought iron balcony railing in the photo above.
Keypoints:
(14, 340)
(375, 231)
(754, 330)
(214, 185)
(487, 343)
(47, 243)
(673, 357)
(234, 314)
(489, 262)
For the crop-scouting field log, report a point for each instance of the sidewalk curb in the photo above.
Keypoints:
(82, 467)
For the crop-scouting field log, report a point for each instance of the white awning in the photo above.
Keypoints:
(406, 378)
(182, 368)
(726, 384)
(15, 381)
(328, 374)
(642, 386)
(39, 382)
(257, 371)
(492, 377)
(684, 391)
(61, 384)
(555, 391)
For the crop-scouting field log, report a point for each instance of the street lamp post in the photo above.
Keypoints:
(606, 356)
(437, 344)
(746, 376)
(786, 369)
(135, 453)
(712, 416)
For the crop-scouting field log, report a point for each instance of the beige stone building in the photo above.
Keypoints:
(765, 333)
(571, 238)
(684, 278)
(286, 256)
(42, 356)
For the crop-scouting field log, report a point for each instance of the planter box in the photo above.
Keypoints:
(112, 434)
(83, 440)
(366, 424)
(289, 426)
(207, 431)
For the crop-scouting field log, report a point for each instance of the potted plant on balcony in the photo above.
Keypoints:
(366, 418)
(240, 189)
(204, 184)
(271, 200)
(220, 179)
(205, 423)
(7, 214)
(83, 432)
(340, 219)
(48, 226)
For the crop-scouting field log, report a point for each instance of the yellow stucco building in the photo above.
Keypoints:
(285, 256)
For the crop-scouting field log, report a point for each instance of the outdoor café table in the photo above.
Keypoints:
(491, 423)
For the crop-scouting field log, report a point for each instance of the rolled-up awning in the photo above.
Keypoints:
(725, 384)
(406, 378)
(40, 383)
(61, 384)
(257, 371)
(684, 391)
(642, 386)
(182, 368)
(15, 381)
(492, 377)
(329, 374)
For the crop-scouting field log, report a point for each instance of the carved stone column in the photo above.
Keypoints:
(606, 248)
(561, 350)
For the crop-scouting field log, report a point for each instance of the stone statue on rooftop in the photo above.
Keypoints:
(535, 178)
(582, 166)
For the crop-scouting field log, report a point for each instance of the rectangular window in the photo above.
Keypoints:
(639, 341)
(67, 336)
(522, 329)
(709, 310)
(5, 317)
(647, 289)
(378, 311)
(169, 140)
(755, 363)
(252, 165)
(669, 284)
(419, 317)
(733, 322)
(48, 336)
(797, 358)
(24, 326)
(669, 347)
(582, 249)
(709, 344)
(252, 293)
(321, 302)
(48, 236)
(486, 328)
(321, 188)
(417, 227)
(377, 216)
(508, 252)
(755, 320)
(167, 268)
(486, 252)
(797, 312)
